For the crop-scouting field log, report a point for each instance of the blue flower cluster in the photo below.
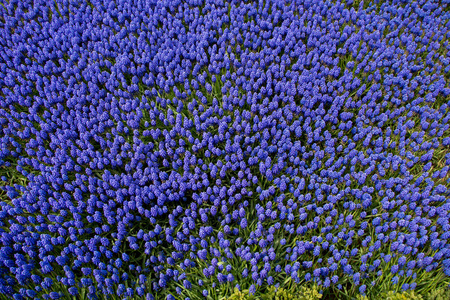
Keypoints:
(307, 140)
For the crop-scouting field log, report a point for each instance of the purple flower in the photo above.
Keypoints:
(362, 289)
(252, 289)
(120, 126)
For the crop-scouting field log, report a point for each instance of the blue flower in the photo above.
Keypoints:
(252, 289)
(362, 289)
(117, 137)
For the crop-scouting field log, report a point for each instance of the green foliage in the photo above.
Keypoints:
(308, 293)
(408, 295)
(438, 294)
(238, 295)
(303, 293)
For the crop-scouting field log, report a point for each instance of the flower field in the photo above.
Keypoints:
(224, 149)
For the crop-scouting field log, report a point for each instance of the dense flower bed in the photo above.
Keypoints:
(255, 142)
